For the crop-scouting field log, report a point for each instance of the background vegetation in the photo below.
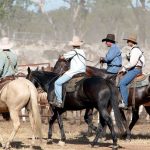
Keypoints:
(27, 21)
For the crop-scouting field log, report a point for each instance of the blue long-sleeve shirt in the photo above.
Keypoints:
(113, 59)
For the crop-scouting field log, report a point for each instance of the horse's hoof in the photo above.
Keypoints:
(92, 145)
(8, 147)
(89, 134)
(61, 143)
(103, 139)
(115, 147)
(49, 141)
(128, 140)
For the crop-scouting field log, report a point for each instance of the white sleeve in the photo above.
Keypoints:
(134, 57)
(69, 54)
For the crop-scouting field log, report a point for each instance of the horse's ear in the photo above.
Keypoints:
(29, 70)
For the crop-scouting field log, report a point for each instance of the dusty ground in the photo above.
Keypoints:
(75, 140)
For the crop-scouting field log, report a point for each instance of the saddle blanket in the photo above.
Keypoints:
(140, 81)
(71, 85)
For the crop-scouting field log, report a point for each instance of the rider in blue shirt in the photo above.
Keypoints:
(113, 57)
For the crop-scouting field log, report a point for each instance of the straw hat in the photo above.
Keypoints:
(75, 41)
(109, 38)
(132, 37)
(5, 43)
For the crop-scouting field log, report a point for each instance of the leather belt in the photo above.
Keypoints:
(138, 67)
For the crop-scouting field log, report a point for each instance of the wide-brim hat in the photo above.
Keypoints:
(132, 37)
(109, 38)
(5, 43)
(76, 41)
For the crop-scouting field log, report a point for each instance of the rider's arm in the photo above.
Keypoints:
(2, 62)
(112, 53)
(69, 54)
(134, 58)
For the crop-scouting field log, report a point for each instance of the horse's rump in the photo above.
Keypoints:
(15, 95)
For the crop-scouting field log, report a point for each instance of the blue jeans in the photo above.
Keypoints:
(58, 86)
(123, 85)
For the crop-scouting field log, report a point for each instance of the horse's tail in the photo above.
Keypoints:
(34, 110)
(114, 103)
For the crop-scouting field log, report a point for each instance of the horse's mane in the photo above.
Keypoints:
(43, 73)
(96, 69)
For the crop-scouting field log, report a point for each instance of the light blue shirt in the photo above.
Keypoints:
(113, 59)
(8, 67)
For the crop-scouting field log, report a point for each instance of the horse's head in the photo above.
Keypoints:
(30, 76)
(42, 79)
(61, 66)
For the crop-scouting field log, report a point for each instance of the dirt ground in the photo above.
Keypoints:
(75, 138)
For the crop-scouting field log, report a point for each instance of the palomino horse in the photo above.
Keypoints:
(94, 92)
(15, 95)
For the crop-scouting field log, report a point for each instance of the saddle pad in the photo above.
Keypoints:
(4, 81)
(140, 81)
(71, 85)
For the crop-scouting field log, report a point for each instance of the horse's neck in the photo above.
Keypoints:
(49, 83)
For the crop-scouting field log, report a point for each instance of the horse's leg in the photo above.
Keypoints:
(51, 121)
(32, 127)
(16, 124)
(108, 120)
(98, 134)
(60, 123)
(126, 125)
(135, 117)
(103, 123)
(2, 140)
(23, 112)
(88, 117)
(147, 108)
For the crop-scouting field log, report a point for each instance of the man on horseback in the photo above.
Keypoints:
(8, 58)
(77, 65)
(136, 61)
(113, 57)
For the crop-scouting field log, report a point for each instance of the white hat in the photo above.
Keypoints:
(5, 43)
(76, 41)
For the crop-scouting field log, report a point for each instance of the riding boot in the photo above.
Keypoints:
(57, 104)
(123, 105)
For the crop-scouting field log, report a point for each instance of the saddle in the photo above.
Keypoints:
(5, 80)
(140, 81)
(71, 85)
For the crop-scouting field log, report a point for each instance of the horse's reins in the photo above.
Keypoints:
(55, 77)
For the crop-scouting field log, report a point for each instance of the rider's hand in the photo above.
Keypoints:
(122, 70)
(62, 57)
(102, 60)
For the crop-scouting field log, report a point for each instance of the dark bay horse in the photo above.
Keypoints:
(142, 94)
(142, 97)
(92, 92)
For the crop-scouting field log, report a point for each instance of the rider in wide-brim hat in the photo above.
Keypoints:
(76, 57)
(113, 57)
(133, 68)
(109, 38)
(75, 41)
(132, 38)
